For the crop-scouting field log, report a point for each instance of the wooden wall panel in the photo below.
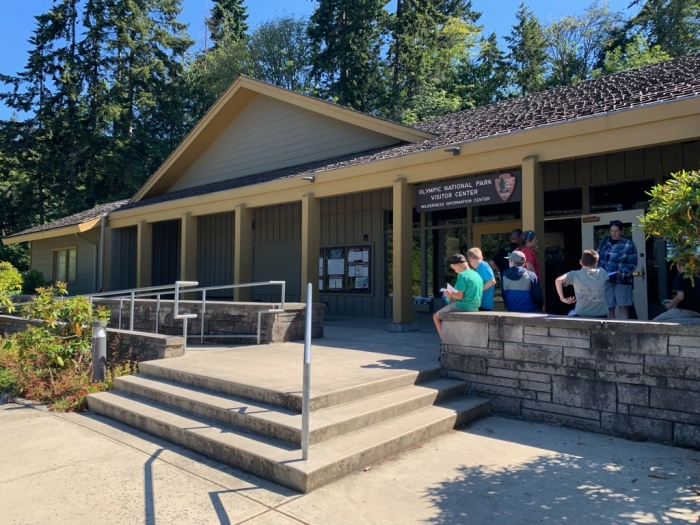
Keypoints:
(345, 220)
(215, 246)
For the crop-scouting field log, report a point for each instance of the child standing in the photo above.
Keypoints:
(589, 287)
(476, 261)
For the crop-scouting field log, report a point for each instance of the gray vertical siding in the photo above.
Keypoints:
(215, 245)
(123, 259)
(42, 259)
(277, 250)
(165, 261)
(345, 220)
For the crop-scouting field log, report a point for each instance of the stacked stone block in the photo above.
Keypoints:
(632, 379)
(220, 318)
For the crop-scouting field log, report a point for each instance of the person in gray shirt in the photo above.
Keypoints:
(589, 287)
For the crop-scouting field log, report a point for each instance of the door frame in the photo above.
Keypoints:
(589, 222)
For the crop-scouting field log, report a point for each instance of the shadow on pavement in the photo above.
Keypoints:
(573, 482)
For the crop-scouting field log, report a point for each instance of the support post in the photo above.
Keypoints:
(306, 391)
(188, 250)
(533, 205)
(144, 249)
(99, 350)
(243, 251)
(402, 257)
(310, 244)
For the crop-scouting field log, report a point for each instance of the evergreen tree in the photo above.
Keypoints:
(528, 57)
(673, 25)
(148, 46)
(636, 54)
(430, 39)
(346, 44)
(486, 78)
(227, 19)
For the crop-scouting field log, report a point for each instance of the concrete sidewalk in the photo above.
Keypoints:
(84, 469)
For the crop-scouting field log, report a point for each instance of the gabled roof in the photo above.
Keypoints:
(229, 106)
(76, 223)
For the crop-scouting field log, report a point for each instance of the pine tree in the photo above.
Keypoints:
(227, 18)
(429, 40)
(148, 44)
(527, 57)
(346, 45)
(486, 78)
(673, 25)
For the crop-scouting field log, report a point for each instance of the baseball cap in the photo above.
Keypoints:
(516, 256)
(457, 258)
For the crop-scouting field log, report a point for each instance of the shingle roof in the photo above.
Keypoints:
(77, 218)
(663, 82)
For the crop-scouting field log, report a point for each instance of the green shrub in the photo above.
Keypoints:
(10, 284)
(674, 214)
(32, 281)
(52, 363)
(8, 381)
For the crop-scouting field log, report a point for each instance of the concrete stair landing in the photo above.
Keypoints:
(363, 419)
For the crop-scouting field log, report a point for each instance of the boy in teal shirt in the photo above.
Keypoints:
(476, 261)
(468, 290)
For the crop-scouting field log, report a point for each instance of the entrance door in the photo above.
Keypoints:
(491, 237)
(595, 227)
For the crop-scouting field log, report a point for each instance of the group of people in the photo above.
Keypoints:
(603, 285)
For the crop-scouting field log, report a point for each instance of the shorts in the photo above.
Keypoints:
(618, 295)
(452, 307)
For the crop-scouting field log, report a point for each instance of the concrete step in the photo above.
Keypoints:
(277, 460)
(166, 369)
(284, 424)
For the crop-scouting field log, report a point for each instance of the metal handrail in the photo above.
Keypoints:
(158, 291)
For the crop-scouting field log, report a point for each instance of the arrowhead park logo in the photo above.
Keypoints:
(505, 185)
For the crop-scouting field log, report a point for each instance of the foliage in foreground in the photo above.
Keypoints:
(674, 214)
(52, 363)
(10, 284)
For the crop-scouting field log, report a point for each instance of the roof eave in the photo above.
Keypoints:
(55, 232)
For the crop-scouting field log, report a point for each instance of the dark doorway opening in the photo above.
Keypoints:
(562, 245)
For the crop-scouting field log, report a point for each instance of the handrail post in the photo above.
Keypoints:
(306, 394)
(131, 312)
(121, 305)
(176, 311)
(259, 321)
(203, 309)
(157, 311)
(283, 294)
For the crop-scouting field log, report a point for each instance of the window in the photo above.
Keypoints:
(64, 265)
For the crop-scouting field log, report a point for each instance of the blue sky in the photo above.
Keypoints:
(17, 20)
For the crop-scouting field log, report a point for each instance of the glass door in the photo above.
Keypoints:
(595, 227)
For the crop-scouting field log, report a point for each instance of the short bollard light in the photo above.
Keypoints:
(99, 350)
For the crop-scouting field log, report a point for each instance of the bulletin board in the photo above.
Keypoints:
(345, 270)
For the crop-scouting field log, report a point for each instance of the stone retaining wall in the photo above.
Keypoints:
(220, 318)
(639, 380)
(138, 346)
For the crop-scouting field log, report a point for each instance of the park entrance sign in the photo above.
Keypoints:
(481, 190)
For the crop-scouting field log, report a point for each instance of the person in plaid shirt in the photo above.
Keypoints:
(618, 257)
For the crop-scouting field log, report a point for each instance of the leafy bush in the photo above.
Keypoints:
(8, 381)
(32, 281)
(52, 363)
(674, 214)
(10, 284)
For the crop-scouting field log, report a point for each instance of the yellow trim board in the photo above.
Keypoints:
(229, 106)
(56, 232)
